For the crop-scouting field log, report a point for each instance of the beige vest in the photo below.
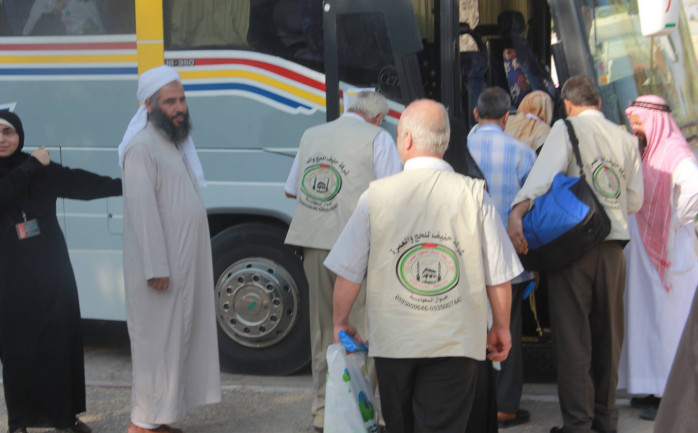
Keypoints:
(335, 167)
(426, 293)
(609, 155)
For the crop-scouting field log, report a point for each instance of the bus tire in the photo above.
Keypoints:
(261, 298)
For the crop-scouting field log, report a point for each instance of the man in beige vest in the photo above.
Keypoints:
(586, 298)
(434, 250)
(334, 165)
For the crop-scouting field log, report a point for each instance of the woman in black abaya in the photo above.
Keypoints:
(40, 338)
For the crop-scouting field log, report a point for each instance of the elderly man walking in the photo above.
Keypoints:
(662, 261)
(433, 250)
(167, 260)
(334, 164)
(586, 298)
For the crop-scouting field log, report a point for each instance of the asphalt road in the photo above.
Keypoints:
(255, 404)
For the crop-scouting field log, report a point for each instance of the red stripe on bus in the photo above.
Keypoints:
(56, 47)
(262, 65)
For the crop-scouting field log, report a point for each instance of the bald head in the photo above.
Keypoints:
(423, 130)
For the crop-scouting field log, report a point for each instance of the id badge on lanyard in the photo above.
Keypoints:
(27, 229)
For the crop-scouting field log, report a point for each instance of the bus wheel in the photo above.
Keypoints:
(261, 299)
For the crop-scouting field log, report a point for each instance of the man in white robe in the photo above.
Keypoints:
(167, 260)
(661, 258)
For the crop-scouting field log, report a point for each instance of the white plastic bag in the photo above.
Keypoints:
(349, 403)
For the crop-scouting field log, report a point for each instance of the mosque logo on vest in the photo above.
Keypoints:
(321, 182)
(606, 181)
(428, 269)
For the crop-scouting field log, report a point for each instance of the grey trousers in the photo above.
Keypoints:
(320, 289)
(510, 378)
(586, 315)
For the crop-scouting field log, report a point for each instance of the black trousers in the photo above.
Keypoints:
(510, 378)
(426, 395)
(483, 415)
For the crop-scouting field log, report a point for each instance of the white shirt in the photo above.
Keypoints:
(349, 256)
(386, 160)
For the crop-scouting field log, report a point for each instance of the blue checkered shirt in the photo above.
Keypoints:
(505, 162)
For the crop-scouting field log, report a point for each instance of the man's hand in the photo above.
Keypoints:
(160, 284)
(350, 330)
(499, 336)
(42, 155)
(498, 344)
(515, 227)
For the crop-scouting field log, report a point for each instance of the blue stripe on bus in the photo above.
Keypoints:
(248, 88)
(69, 71)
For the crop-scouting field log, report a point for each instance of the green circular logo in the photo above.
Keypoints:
(321, 182)
(428, 269)
(607, 182)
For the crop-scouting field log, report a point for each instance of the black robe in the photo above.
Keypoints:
(41, 344)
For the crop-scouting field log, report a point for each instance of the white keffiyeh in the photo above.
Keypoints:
(148, 83)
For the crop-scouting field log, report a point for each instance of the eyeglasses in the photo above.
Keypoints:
(8, 132)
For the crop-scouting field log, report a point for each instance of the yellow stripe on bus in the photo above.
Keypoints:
(149, 34)
(199, 75)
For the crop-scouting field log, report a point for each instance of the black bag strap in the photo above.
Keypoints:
(575, 146)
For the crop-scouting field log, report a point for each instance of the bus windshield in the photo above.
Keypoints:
(629, 64)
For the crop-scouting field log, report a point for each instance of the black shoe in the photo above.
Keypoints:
(520, 417)
(77, 427)
(643, 402)
(557, 430)
(648, 413)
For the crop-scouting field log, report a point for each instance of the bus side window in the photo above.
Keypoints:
(13, 16)
(118, 16)
(276, 27)
(205, 24)
(365, 54)
(66, 17)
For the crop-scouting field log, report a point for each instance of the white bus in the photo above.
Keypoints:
(257, 73)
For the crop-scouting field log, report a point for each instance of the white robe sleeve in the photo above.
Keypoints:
(685, 179)
(141, 213)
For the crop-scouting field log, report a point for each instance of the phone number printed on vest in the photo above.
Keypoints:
(428, 269)
(321, 182)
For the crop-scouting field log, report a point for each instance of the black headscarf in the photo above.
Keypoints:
(12, 161)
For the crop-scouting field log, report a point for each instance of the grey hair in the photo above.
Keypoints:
(581, 91)
(368, 104)
(430, 134)
(493, 103)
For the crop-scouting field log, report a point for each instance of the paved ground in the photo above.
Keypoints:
(255, 404)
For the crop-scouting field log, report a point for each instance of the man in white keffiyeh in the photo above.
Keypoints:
(167, 260)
